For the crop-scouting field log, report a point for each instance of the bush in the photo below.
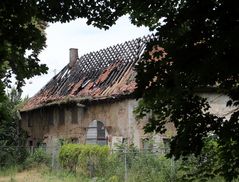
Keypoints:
(204, 166)
(93, 159)
(89, 159)
(68, 156)
(11, 156)
(38, 157)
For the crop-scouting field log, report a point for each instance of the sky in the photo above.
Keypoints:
(77, 34)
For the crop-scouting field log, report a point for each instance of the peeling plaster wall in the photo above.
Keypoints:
(218, 104)
(117, 117)
(136, 130)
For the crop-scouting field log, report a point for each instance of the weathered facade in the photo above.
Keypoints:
(90, 100)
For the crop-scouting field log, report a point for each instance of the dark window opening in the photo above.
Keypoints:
(74, 140)
(30, 143)
(24, 119)
(19, 124)
(49, 116)
(125, 141)
(61, 116)
(166, 142)
(29, 119)
(43, 145)
(74, 115)
(38, 144)
(147, 144)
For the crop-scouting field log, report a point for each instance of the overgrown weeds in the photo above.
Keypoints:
(37, 158)
(96, 163)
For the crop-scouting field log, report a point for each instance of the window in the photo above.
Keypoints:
(49, 116)
(29, 119)
(166, 142)
(96, 133)
(61, 116)
(147, 144)
(74, 140)
(74, 115)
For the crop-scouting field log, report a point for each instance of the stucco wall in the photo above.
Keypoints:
(218, 104)
(117, 117)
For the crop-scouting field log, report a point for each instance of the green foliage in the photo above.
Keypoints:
(92, 159)
(145, 166)
(203, 167)
(201, 40)
(62, 176)
(87, 158)
(8, 171)
(68, 156)
(22, 35)
(96, 161)
(151, 167)
(194, 35)
(37, 158)
(12, 137)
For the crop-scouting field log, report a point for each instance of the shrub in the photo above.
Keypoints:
(38, 157)
(90, 159)
(93, 159)
(68, 156)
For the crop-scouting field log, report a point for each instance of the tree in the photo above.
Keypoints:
(12, 137)
(22, 35)
(200, 38)
(201, 42)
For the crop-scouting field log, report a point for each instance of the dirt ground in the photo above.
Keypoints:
(25, 176)
(39, 175)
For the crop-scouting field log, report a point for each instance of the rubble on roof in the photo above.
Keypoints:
(98, 75)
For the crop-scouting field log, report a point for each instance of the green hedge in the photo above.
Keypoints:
(88, 159)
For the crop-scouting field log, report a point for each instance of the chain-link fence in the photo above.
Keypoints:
(18, 155)
(125, 164)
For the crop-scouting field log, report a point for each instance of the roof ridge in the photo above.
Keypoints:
(144, 38)
(98, 74)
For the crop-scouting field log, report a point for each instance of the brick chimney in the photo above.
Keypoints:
(73, 57)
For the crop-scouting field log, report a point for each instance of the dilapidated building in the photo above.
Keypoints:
(90, 100)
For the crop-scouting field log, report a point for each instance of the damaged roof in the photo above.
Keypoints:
(104, 74)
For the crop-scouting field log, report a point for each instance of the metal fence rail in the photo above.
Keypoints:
(126, 158)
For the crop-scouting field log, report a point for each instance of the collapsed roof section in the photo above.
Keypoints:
(100, 75)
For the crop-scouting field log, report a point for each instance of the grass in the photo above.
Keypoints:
(44, 174)
(40, 174)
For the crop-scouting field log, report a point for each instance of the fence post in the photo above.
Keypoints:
(172, 164)
(53, 159)
(125, 166)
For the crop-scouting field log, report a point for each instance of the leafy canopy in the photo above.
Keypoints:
(12, 137)
(200, 38)
(22, 35)
(201, 42)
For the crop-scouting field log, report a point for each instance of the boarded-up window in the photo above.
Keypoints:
(74, 115)
(61, 116)
(96, 133)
